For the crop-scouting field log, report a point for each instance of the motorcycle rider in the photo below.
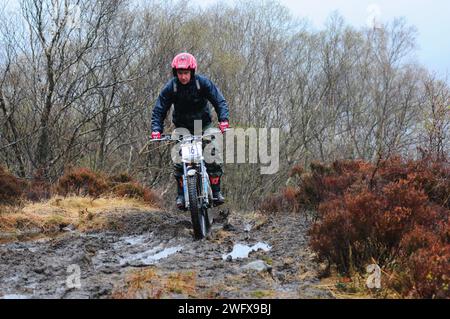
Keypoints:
(189, 93)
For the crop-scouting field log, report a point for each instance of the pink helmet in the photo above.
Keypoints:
(184, 61)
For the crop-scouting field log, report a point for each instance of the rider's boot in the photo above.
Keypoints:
(215, 187)
(180, 193)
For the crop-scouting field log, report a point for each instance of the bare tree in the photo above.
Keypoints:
(79, 78)
(53, 38)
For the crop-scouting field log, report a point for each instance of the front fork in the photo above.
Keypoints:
(206, 188)
(185, 188)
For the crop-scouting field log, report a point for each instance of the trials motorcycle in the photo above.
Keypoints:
(198, 196)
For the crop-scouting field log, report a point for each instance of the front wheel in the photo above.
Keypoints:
(199, 214)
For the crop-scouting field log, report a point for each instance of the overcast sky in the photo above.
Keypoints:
(430, 17)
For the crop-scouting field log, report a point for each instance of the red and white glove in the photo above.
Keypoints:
(223, 126)
(156, 135)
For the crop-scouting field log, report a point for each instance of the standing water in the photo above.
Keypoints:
(242, 251)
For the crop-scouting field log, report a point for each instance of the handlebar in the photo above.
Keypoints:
(168, 137)
(163, 138)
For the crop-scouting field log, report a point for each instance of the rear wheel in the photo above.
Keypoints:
(199, 214)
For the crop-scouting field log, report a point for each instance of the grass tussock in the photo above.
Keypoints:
(149, 284)
(75, 182)
(80, 197)
(342, 286)
(53, 215)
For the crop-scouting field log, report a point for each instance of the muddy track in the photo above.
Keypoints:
(162, 241)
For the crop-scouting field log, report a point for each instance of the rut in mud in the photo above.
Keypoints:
(245, 256)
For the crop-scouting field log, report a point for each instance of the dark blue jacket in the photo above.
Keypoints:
(190, 103)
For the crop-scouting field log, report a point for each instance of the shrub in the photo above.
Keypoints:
(370, 224)
(135, 190)
(346, 234)
(335, 247)
(325, 182)
(38, 189)
(150, 197)
(401, 219)
(81, 181)
(434, 179)
(310, 191)
(11, 188)
(391, 170)
(290, 197)
(418, 238)
(431, 272)
(426, 256)
(271, 204)
(297, 170)
(405, 206)
(120, 178)
(396, 213)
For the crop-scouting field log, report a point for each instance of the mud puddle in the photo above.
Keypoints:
(258, 262)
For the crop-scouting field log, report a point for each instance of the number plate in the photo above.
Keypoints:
(191, 152)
